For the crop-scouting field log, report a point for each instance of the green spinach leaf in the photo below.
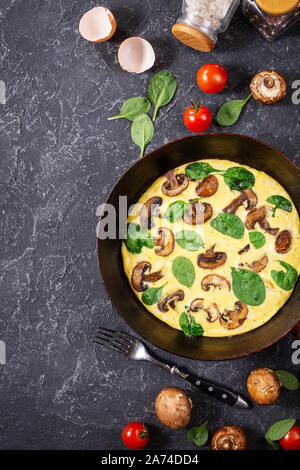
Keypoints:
(136, 238)
(199, 434)
(189, 240)
(229, 224)
(161, 89)
(189, 326)
(152, 295)
(287, 380)
(177, 209)
(199, 170)
(239, 178)
(248, 286)
(184, 271)
(142, 131)
(257, 239)
(230, 111)
(280, 202)
(132, 108)
(279, 430)
(286, 280)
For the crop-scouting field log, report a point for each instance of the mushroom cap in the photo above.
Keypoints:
(175, 184)
(208, 187)
(251, 198)
(170, 300)
(139, 276)
(211, 310)
(229, 438)
(283, 241)
(232, 319)
(197, 213)
(148, 211)
(263, 386)
(246, 195)
(173, 408)
(268, 87)
(215, 281)
(211, 259)
(259, 265)
(259, 215)
(165, 242)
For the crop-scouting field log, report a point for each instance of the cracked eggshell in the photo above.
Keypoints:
(97, 25)
(136, 55)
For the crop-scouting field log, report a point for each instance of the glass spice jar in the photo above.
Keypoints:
(272, 17)
(202, 21)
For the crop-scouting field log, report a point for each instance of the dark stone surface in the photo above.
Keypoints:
(59, 159)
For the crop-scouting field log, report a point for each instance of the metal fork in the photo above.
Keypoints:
(135, 349)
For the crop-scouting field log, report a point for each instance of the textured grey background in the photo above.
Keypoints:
(60, 158)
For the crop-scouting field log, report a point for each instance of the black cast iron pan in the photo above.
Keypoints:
(134, 182)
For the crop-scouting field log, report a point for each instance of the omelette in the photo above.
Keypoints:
(212, 248)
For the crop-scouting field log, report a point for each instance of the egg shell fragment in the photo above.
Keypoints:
(97, 25)
(136, 55)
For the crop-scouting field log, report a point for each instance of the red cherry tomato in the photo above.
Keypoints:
(197, 118)
(291, 441)
(135, 435)
(212, 78)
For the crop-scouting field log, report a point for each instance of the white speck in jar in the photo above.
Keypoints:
(208, 11)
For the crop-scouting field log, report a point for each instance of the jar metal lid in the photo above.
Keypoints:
(277, 7)
(193, 37)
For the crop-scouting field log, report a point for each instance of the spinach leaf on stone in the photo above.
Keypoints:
(199, 434)
(132, 108)
(230, 111)
(161, 89)
(142, 131)
(279, 430)
(287, 380)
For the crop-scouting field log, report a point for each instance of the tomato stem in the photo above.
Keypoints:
(196, 106)
(144, 433)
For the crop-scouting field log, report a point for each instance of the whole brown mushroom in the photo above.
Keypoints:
(229, 438)
(268, 87)
(173, 408)
(263, 386)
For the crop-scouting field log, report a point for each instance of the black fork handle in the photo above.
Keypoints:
(220, 392)
(215, 390)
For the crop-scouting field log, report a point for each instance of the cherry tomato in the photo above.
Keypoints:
(291, 441)
(197, 118)
(135, 435)
(212, 78)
